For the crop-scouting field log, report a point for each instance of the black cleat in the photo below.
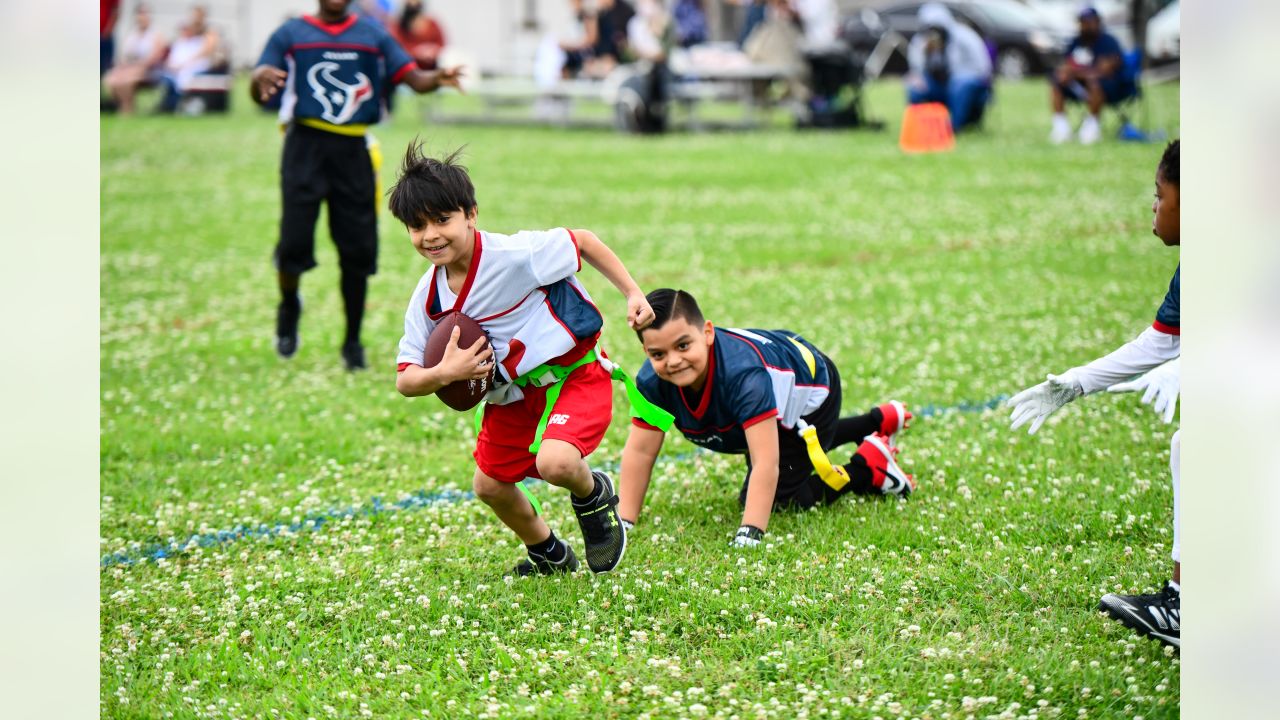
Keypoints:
(287, 329)
(602, 530)
(1158, 615)
(353, 356)
(539, 565)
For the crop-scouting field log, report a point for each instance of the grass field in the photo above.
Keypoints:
(318, 563)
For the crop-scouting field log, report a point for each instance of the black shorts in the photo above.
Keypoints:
(799, 486)
(321, 166)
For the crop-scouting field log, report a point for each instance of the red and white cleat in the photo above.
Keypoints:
(886, 475)
(896, 419)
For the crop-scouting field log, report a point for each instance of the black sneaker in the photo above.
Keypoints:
(1157, 615)
(602, 530)
(287, 329)
(539, 565)
(353, 356)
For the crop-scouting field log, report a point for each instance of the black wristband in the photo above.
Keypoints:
(751, 531)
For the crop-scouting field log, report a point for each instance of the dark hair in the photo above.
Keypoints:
(428, 188)
(669, 304)
(1168, 167)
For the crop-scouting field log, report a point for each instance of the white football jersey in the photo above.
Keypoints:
(522, 290)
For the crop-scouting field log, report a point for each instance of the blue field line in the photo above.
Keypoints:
(416, 501)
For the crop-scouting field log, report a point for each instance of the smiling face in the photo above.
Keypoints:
(1164, 224)
(334, 9)
(679, 351)
(447, 240)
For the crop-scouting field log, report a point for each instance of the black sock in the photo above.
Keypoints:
(854, 429)
(354, 288)
(592, 497)
(859, 477)
(551, 549)
(289, 292)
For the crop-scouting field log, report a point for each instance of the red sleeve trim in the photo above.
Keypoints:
(405, 70)
(576, 247)
(402, 366)
(1166, 329)
(643, 425)
(770, 414)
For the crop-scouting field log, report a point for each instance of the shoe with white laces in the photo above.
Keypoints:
(1158, 615)
(1090, 130)
(886, 475)
(1061, 130)
(895, 418)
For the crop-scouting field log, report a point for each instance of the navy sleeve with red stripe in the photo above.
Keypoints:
(1168, 317)
(751, 397)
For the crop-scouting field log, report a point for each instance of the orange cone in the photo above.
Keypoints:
(926, 128)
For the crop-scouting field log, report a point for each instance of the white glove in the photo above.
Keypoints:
(1161, 385)
(748, 536)
(1038, 403)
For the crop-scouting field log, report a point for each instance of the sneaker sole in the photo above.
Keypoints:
(1122, 613)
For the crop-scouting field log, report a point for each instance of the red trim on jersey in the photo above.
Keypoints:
(643, 425)
(706, 388)
(472, 271)
(401, 367)
(515, 352)
(332, 28)
(405, 70)
(576, 352)
(1166, 329)
(333, 46)
(431, 297)
(577, 248)
(504, 312)
(766, 415)
(546, 300)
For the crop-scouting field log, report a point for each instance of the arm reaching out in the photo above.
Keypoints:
(638, 457)
(1161, 385)
(600, 257)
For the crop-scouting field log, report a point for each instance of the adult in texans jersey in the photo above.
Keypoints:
(334, 70)
(750, 392)
(1154, 355)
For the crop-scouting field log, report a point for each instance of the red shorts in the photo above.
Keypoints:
(580, 417)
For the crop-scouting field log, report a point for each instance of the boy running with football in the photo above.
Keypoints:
(551, 399)
(769, 394)
(1155, 352)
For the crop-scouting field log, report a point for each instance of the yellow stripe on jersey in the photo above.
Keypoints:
(808, 357)
(351, 130)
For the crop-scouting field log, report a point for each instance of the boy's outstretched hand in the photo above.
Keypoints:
(748, 536)
(1036, 404)
(639, 314)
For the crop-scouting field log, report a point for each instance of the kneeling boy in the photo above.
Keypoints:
(755, 392)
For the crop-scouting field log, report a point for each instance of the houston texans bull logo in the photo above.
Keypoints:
(339, 99)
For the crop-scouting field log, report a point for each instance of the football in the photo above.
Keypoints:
(463, 394)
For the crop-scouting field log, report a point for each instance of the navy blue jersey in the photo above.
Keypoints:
(752, 376)
(1086, 53)
(338, 74)
(1167, 317)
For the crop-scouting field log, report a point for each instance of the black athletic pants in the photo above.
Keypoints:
(318, 166)
(799, 486)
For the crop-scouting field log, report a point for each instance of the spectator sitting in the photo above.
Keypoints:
(419, 34)
(949, 64)
(194, 52)
(691, 23)
(604, 39)
(1094, 73)
(143, 57)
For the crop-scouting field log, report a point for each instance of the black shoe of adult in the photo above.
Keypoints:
(353, 356)
(1158, 615)
(539, 565)
(287, 329)
(602, 530)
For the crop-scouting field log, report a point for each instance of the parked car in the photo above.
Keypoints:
(1164, 34)
(1019, 40)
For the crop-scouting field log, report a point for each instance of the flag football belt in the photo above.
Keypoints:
(552, 377)
(835, 476)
